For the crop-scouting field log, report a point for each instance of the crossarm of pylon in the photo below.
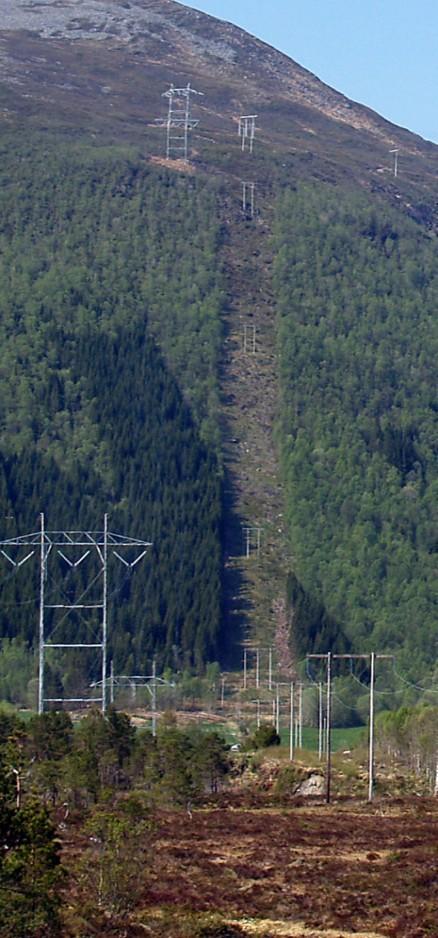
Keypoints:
(73, 606)
(25, 559)
(121, 540)
(73, 644)
(73, 699)
(18, 563)
(11, 561)
(72, 563)
(22, 541)
(126, 562)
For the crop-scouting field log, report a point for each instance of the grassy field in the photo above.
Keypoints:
(347, 737)
(343, 738)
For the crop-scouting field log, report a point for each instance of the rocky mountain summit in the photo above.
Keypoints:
(65, 60)
(136, 23)
(170, 25)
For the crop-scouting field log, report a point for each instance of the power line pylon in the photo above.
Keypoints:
(248, 199)
(67, 545)
(249, 339)
(150, 681)
(247, 130)
(178, 122)
(396, 152)
(252, 540)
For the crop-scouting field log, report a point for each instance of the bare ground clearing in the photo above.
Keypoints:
(306, 872)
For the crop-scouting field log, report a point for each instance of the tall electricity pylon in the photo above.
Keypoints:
(68, 545)
(178, 122)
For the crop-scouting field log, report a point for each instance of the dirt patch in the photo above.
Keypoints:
(183, 717)
(180, 166)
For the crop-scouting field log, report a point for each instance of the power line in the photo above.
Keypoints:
(428, 690)
(381, 693)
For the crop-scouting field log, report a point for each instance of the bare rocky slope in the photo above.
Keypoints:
(169, 26)
(97, 69)
(117, 54)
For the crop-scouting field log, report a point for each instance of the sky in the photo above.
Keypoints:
(381, 53)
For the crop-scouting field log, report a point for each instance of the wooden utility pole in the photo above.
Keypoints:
(328, 658)
(291, 723)
(329, 727)
(320, 722)
(372, 657)
(300, 714)
(154, 698)
(112, 683)
(371, 736)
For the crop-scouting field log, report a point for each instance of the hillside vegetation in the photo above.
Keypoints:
(357, 290)
(112, 296)
(101, 259)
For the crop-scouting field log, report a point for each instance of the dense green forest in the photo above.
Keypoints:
(111, 297)
(357, 292)
(101, 259)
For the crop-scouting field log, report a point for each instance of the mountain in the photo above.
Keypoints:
(100, 67)
(254, 391)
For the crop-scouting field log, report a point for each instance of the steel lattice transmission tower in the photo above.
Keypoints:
(179, 121)
(73, 547)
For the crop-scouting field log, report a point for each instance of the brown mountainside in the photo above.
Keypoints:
(101, 65)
